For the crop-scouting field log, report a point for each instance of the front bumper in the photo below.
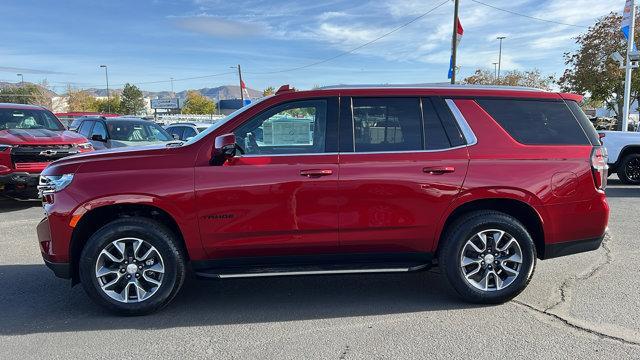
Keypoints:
(60, 269)
(20, 178)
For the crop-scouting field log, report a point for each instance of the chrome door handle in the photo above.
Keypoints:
(438, 170)
(312, 173)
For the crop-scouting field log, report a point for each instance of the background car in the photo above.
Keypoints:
(72, 119)
(107, 133)
(31, 137)
(185, 131)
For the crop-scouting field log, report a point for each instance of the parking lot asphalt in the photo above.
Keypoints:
(576, 307)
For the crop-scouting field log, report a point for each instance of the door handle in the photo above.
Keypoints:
(438, 170)
(312, 173)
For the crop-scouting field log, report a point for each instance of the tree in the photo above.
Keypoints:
(111, 105)
(24, 94)
(79, 100)
(196, 103)
(591, 69)
(132, 101)
(528, 78)
(268, 91)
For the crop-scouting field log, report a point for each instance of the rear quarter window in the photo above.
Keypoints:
(536, 122)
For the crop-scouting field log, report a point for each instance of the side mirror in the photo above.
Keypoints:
(175, 136)
(224, 148)
(98, 137)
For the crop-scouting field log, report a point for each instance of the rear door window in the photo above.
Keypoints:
(176, 132)
(536, 122)
(188, 133)
(434, 132)
(387, 124)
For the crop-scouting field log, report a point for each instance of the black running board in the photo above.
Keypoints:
(233, 273)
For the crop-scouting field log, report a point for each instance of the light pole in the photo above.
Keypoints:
(106, 75)
(240, 77)
(21, 79)
(495, 70)
(172, 92)
(500, 55)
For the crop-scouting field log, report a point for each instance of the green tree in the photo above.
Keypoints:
(111, 105)
(24, 94)
(528, 78)
(268, 91)
(78, 100)
(591, 69)
(196, 103)
(132, 101)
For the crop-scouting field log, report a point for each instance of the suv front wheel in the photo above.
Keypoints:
(132, 266)
(488, 257)
(629, 170)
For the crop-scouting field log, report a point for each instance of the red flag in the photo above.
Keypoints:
(459, 32)
(242, 85)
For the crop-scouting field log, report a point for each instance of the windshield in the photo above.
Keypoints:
(224, 120)
(136, 131)
(29, 119)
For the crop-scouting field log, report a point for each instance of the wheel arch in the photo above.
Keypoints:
(629, 149)
(518, 207)
(95, 218)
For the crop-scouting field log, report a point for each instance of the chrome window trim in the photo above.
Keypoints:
(462, 123)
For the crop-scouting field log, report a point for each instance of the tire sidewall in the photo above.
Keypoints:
(622, 172)
(467, 229)
(153, 233)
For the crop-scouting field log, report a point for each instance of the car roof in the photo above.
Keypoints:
(433, 86)
(21, 106)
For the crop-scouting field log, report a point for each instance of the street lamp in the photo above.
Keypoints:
(21, 79)
(106, 75)
(500, 54)
(495, 70)
(173, 92)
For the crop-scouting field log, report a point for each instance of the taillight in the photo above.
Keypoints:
(599, 167)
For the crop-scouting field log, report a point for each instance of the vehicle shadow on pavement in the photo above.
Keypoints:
(7, 204)
(618, 189)
(34, 301)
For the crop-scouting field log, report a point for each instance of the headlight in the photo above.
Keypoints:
(53, 183)
(4, 147)
(85, 146)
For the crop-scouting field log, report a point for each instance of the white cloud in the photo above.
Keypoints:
(220, 27)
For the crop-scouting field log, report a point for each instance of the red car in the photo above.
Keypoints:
(31, 137)
(478, 181)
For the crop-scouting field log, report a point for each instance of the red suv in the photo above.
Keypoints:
(31, 137)
(478, 181)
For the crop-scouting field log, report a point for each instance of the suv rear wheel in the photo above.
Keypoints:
(132, 266)
(488, 257)
(629, 170)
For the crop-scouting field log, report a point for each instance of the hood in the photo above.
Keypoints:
(40, 137)
(70, 164)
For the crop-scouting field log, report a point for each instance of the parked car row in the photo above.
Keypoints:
(475, 180)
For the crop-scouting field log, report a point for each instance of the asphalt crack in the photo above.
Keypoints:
(559, 310)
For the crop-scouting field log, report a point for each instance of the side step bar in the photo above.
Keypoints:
(269, 272)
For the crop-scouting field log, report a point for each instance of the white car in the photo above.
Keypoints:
(624, 154)
(187, 130)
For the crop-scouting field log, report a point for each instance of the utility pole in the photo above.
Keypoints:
(172, 92)
(454, 41)
(495, 70)
(628, 69)
(21, 79)
(239, 77)
(500, 55)
(106, 75)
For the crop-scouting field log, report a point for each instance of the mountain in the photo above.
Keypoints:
(217, 93)
(46, 92)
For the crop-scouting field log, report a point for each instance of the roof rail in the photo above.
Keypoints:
(432, 86)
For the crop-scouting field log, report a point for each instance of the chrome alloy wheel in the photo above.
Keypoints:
(491, 260)
(129, 270)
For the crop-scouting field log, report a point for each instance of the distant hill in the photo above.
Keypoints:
(8, 85)
(217, 93)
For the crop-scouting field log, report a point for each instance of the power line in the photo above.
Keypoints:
(528, 16)
(355, 48)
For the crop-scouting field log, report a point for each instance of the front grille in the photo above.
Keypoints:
(40, 153)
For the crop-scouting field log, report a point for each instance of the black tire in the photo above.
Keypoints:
(464, 229)
(629, 169)
(153, 233)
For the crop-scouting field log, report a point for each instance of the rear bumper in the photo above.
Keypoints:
(572, 247)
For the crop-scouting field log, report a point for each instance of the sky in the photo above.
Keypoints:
(275, 42)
